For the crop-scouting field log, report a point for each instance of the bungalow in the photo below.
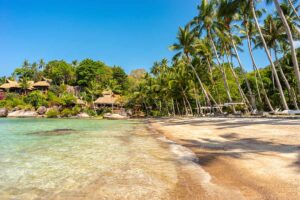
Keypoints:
(42, 85)
(108, 100)
(11, 86)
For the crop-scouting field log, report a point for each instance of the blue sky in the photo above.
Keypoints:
(129, 33)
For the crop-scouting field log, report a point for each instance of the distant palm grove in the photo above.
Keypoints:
(202, 77)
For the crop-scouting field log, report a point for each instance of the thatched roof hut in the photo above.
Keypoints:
(43, 84)
(109, 98)
(10, 85)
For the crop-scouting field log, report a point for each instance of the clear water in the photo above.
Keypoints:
(97, 159)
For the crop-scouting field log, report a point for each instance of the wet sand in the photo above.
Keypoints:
(237, 158)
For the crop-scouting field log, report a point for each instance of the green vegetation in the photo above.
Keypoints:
(205, 73)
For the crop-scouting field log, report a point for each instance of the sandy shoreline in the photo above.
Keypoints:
(239, 158)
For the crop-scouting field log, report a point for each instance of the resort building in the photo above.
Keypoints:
(11, 86)
(42, 85)
(109, 100)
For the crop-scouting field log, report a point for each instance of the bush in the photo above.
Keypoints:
(12, 100)
(36, 99)
(76, 110)
(68, 100)
(52, 113)
(53, 100)
(90, 112)
(66, 112)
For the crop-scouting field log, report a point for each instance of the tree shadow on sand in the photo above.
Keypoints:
(236, 147)
(234, 123)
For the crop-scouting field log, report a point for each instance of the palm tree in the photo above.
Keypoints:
(24, 84)
(206, 20)
(282, 97)
(295, 10)
(291, 41)
(185, 47)
(249, 32)
(227, 15)
(274, 35)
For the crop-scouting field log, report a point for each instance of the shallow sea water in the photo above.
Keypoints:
(83, 159)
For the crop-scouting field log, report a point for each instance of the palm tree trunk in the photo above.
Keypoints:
(196, 99)
(222, 70)
(252, 98)
(207, 94)
(212, 80)
(179, 112)
(258, 73)
(291, 40)
(185, 107)
(286, 82)
(295, 11)
(188, 102)
(257, 87)
(243, 96)
(173, 107)
(285, 106)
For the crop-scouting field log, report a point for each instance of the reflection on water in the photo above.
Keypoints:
(83, 159)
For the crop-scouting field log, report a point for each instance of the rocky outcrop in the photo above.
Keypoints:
(83, 115)
(22, 114)
(3, 112)
(41, 110)
(114, 116)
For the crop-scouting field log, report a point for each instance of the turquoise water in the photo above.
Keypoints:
(96, 159)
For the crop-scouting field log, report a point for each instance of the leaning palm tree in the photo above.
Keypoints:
(252, 9)
(185, 48)
(295, 9)
(248, 31)
(274, 35)
(228, 14)
(290, 39)
(206, 20)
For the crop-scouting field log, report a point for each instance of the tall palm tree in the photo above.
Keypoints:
(274, 35)
(206, 20)
(185, 47)
(227, 14)
(291, 41)
(252, 9)
(249, 31)
(295, 9)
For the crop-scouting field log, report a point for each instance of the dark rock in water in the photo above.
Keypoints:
(3, 112)
(56, 132)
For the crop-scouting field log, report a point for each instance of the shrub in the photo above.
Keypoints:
(52, 113)
(76, 110)
(12, 100)
(66, 112)
(36, 99)
(68, 99)
(53, 100)
(90, 112)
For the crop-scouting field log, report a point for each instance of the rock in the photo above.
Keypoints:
(41, 110)
(83, 115)
(3, 112)
(114, 116)
(22, 114)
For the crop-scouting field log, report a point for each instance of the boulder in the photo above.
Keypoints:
(83, 115)
(3, 112)
(41, 110)
(22, 114)
(114, 116)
